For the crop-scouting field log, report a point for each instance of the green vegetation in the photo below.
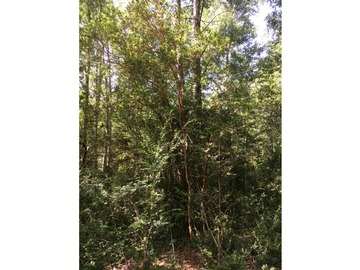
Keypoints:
(180, 135)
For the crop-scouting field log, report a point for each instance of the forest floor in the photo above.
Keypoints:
(184, 260)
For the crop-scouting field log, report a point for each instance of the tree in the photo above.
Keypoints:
(180, 133)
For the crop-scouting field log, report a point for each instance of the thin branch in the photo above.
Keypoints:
(212, 21)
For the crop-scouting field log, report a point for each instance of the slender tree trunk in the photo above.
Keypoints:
(99, 58)
(196, 60)
(219, 227)
(202, 203)
(195, 69)
(107, 132)
(85, 131)
(185, 150)
(180, 82)
(107, 153)
(180, 74)
(97, 115)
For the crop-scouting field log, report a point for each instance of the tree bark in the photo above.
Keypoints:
(107, 153)
(196, 60)
(97, 115)
(180, 82)
(85, 131)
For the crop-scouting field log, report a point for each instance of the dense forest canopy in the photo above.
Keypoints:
(180, 134)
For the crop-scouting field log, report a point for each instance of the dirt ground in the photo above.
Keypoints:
(185, 260)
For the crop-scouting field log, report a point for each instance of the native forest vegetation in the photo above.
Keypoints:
(180, 135)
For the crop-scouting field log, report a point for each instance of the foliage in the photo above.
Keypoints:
(99, 226)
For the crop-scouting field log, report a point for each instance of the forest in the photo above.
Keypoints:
(180, 135)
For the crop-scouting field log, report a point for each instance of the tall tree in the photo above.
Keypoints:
(180, 127)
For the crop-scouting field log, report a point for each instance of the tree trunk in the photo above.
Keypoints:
(180, 82)
(196, 60)
(97, 115)
(107, 153)
(85, 131)
(202, 203)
